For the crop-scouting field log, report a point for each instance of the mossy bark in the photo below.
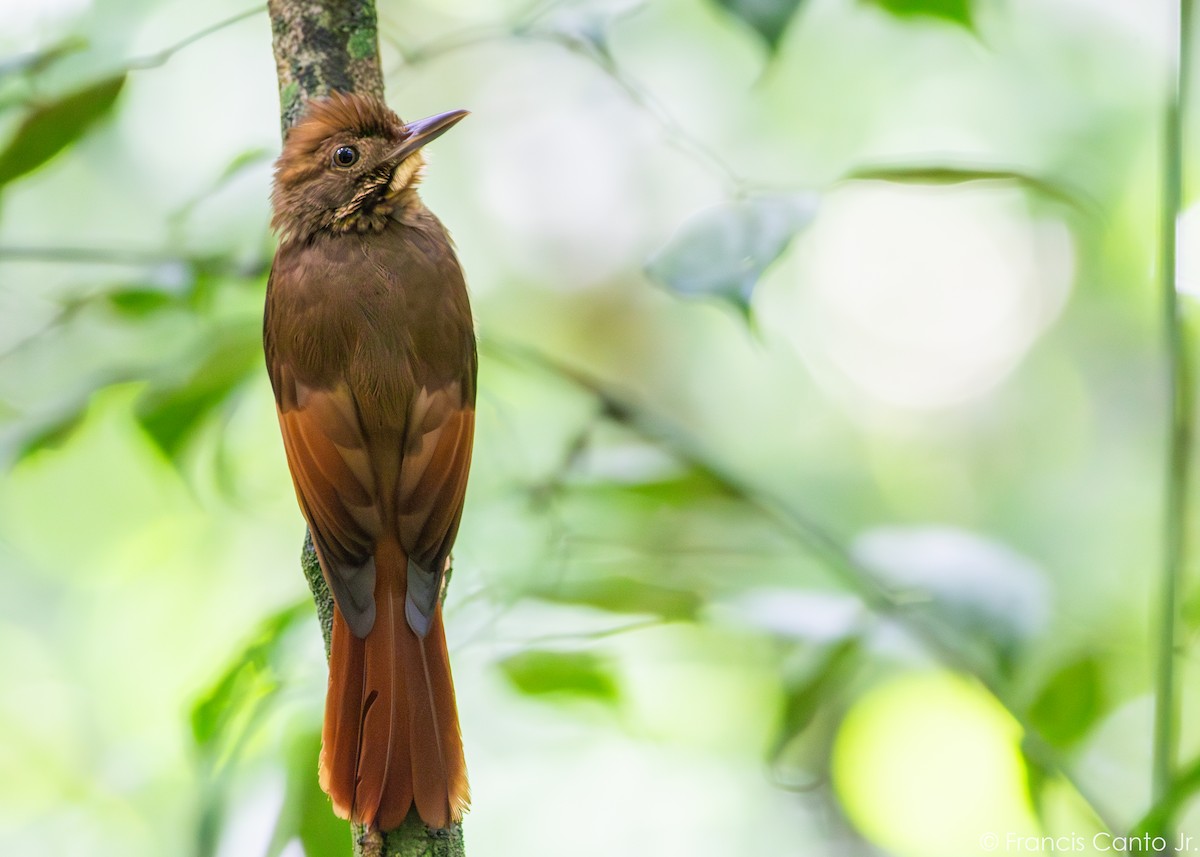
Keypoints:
(322, 46)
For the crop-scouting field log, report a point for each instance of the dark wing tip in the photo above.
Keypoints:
(421, 599)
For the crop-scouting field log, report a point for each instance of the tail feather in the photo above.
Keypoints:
(384, 740)
(391, 736)
(439, 774)
(341, 734)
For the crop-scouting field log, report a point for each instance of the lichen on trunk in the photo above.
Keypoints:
(322, 46)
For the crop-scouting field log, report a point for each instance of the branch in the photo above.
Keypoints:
(323, 46)
(160, 58)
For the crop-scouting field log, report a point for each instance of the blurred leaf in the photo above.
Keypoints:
(1037, 778)
(248, 158)
(723, 251)
(1190, 611)
(943, 174)
(1070, 703)
(209, 822)
(138, 303)
(626, 595)
(544, 673)
(688, 486)
(1160, 815)
(820, 617)
(50, 128)
(218, 264)
(938, 174)
(247, 681)
(768, 18)
(171, 415)
(957, 11)
(39, 61)
(53, 434)
(806, 694)
(306, 813)
(978, 586)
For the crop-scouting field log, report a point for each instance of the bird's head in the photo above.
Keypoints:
(348, 163)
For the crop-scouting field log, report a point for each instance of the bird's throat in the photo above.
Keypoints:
(407, 175)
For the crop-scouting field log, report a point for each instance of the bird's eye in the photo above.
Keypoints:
(345, 156)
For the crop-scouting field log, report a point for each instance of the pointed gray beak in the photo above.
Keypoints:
(425, 131)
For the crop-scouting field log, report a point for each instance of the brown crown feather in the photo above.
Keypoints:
(341, 113)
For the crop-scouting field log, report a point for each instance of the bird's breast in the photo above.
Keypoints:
(384, 312)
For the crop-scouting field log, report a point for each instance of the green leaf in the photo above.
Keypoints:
(626, 595)
(1185, 784)
(247, 682)
(52, 434)
(218, 264)
(722, 252)
(50, 128)
(37, 62)
(768, 18)
(689, 485)
(545, 673)
(244, 160)
(171, 415)
(956, 11)
(138, 303)
(1190, 611)
(939, 174)
(948, 174)
(1070, 703)
(806, 694)
(306, 813)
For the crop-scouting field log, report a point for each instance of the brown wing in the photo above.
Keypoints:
(331, 462)
(328, 457)
(430, 491)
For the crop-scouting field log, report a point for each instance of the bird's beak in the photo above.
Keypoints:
(424, 131)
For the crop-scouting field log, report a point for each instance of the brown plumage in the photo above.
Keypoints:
(371, 352)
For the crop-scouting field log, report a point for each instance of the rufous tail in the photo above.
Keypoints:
(391, 736)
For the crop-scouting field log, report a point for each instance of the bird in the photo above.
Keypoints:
(370, 347)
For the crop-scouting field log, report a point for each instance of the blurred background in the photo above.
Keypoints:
(816, 498)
